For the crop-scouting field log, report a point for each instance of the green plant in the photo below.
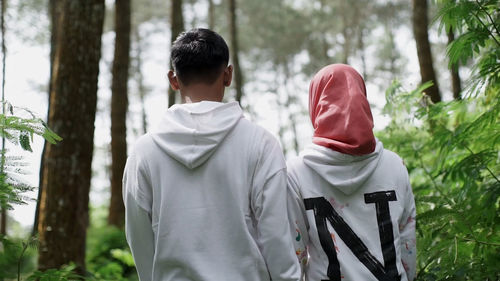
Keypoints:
(65, 273)
(20, 131)
(108, 255)
(452, 152)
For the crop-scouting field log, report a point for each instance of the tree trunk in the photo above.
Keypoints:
(233, 37)
(288, 105)
(67, 169)
(456, 84)
(3, 222)
(119, 104)
(3, 210)
(139, 77)
(211, 14)
(177, 25)
(420, 24)
(54, 11)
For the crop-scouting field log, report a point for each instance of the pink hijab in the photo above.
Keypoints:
(340, 113)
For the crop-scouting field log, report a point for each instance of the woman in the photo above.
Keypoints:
(350, 201)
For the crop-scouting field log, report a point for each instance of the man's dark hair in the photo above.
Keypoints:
(199, 55)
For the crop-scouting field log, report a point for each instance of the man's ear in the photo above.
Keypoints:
(228, 75)
(174, 82)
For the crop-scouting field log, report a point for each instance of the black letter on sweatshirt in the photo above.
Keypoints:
(381, 200)
(324, 211)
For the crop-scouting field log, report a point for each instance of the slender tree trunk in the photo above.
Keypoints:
(361, 48)
(456, 84)
(345, 33)
(139, 77)
(288, 104)
(233, 37)
(3, 210)
(420, 23)
(54, 11)
(281, 131)
(3, 222)
(119, 104)
(211, 14)
(177, 25)
(67, 169)
(324, 42)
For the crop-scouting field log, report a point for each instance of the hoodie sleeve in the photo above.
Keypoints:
(269, 208)
(408, 235)
(297, 219)
(138, 229)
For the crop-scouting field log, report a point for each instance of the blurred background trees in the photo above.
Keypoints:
(449, 136)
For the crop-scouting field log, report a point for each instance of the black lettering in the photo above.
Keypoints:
(324, 211)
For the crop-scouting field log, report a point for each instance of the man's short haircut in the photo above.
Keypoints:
(199, 55)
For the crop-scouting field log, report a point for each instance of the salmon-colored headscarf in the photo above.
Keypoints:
(340, 113)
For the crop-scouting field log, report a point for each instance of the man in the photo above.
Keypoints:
(205, 193)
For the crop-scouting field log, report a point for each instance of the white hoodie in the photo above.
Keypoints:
(205, 198)
(341, 206)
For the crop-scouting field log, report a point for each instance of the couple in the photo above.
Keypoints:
(208, 197)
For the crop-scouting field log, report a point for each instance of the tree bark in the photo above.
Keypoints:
(54, 11)
(119, 104)
(139, 77)
(233, 37)
(3, 210)
(456, 84)
(211, 14)
(67, 169)
(3, 222)
(177, 26)
(420, 23)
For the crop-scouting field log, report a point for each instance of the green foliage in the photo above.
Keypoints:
(452, 153)
(451, 149)
(19, 131)
(64, 274)
(16, 257)
(478, 25)
(108, 254)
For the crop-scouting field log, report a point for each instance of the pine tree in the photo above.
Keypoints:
(67, 166)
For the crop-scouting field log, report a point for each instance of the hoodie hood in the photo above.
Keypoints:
(190, 133)
(339, 111)
(345, 172)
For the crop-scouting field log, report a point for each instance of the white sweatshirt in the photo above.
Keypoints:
(353, 216)
(205, 198)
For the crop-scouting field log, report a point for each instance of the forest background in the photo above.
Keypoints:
(115, 56)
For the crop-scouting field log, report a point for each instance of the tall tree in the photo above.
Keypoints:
(139, 77)
(177, 26)
(119, 104)
(456, 84)
(233, 38)
(211, 14)
(3, 210)
(420, 25)
(54, 10)
(67, 170)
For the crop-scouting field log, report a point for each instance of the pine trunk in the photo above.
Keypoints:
(54, 11)
(420, 23)
(139, 78)
(177, 25)
(3, 210)
(67, 166)
(456, 84)
(119, 104)
(233, 35)
(211, 14)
